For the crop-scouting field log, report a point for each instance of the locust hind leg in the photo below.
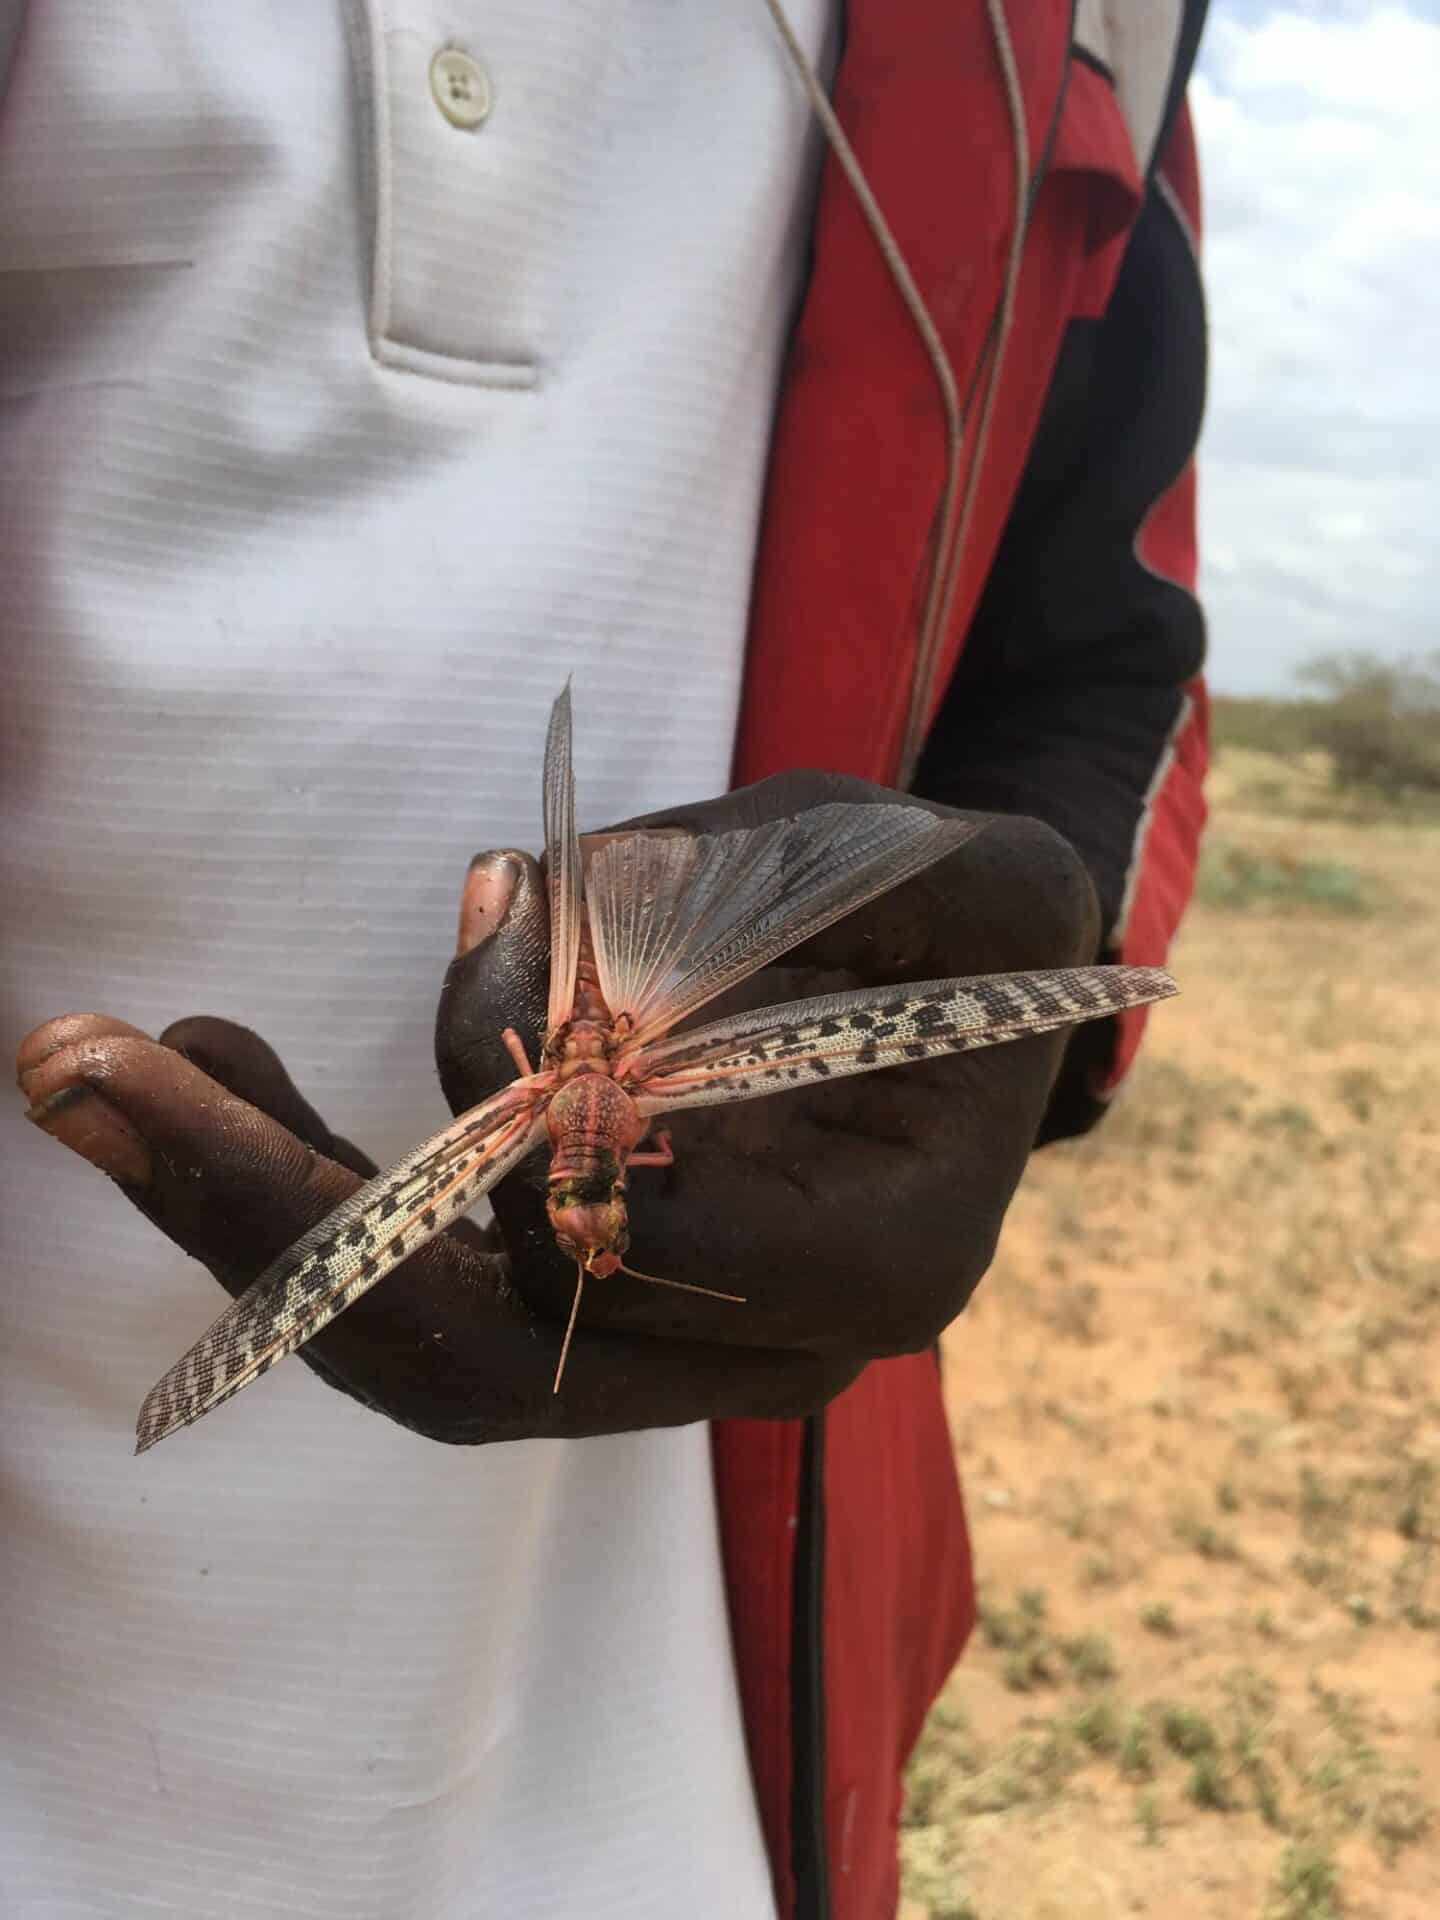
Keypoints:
(662, 1154)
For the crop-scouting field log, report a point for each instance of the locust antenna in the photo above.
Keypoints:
(570, 1329)
(683, 1286)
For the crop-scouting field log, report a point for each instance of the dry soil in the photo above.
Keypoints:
(1197, 1411)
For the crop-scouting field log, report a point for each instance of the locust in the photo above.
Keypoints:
(642, 936)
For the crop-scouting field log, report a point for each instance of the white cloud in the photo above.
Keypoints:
(1386, 61)
(1321, 461)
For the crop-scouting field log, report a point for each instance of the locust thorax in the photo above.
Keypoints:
(587, 1040)
(580, 1046)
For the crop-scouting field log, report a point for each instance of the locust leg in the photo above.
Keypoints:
(662, 1154)
(515, 1047)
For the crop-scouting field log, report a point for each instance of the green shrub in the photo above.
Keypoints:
(1232, 876)
(1380, 723)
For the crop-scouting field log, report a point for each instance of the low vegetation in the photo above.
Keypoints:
(1377, 722)
(1380, 724)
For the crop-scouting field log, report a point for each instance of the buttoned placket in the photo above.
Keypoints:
(442, 163)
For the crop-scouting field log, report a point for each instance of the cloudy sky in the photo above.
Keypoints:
(1319, 127)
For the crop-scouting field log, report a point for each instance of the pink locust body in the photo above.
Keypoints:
(593, 1126)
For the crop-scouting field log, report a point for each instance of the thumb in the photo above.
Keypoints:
(499, 978)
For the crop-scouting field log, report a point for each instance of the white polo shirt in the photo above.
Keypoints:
(349, 400)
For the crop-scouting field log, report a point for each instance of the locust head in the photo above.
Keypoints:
(592, 1228)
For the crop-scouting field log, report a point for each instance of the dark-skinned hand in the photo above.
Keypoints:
(855, 1217)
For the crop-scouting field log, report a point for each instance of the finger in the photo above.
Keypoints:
(66, 1031)
(71, 1112)
(249, 1067)
(190, 1126)
(225, 1180)
(486, 896)
(499, 977)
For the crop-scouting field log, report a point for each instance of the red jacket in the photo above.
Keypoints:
(1077, 699)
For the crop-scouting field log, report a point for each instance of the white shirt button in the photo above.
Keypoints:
(461, 87)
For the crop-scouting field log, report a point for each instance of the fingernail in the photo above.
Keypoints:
(485, 901)
(80, 1119)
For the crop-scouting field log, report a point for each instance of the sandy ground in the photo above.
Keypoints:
(1197, 1409)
